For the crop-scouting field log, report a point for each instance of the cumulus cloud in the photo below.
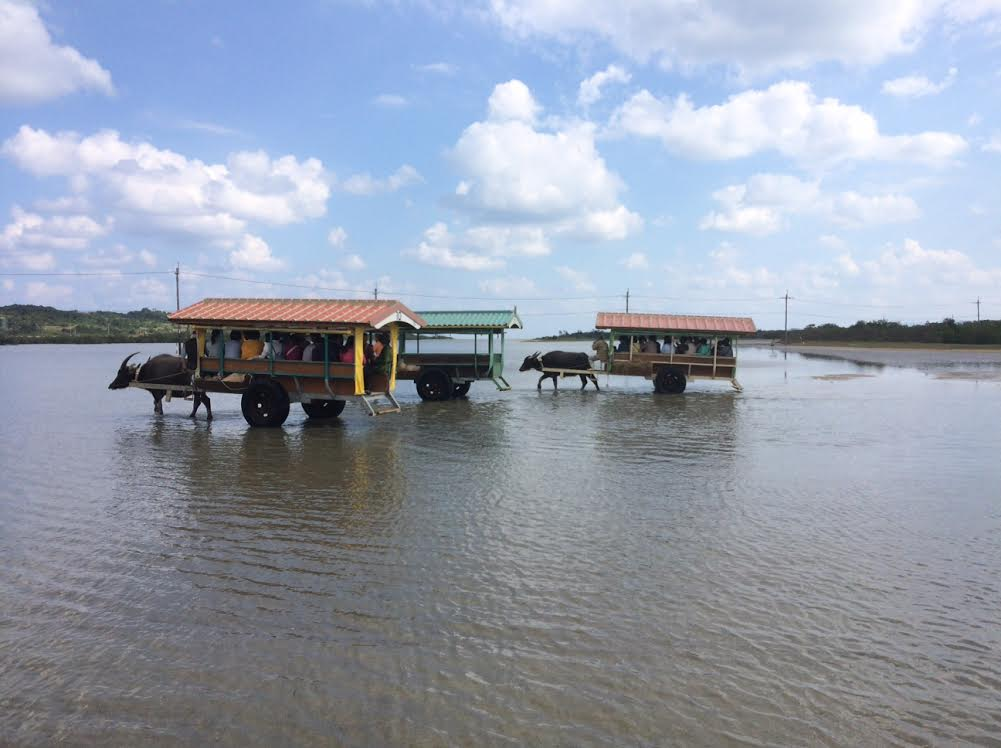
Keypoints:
(437, 248)
(761, 206)
(154, 191)
(353, 262)
(253, 253)
(916, 86)
(366, 184)
(337, 237)
(754, 38)
(590, 89)
(32, 68)
(516, 172)
(40, 292)
(59, 232)
(787, 118)
(994, 144)
(576, 278)
(911, 265)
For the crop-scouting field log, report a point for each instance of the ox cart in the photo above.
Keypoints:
(690, 347)
(340, 333)
(444, 375)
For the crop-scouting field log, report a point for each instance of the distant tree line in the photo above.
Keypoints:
(948, 332)
(30, 323)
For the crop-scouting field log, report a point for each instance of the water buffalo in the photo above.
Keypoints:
(161, 369)
(559, 360)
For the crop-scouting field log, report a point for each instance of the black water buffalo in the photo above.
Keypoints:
(161, 369)
(559, 360)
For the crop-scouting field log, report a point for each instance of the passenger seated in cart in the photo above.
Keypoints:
(272, 347)
(725, 348)
(623, 346)
(293, 349)
(214, 346)
(335, 345)
(347, 355)
(381, 360)
(651, 346)
(703, 348)
(252, 344)
(234, 344)
(666, 348)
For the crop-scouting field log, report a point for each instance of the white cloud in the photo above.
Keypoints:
(786, 117)
(994, 144)
(756, 37)
(636, 261)
(911, 266)
(33, 231)
(509, 287)
(437, 249)
(590, 89)
(761, 206)
(366, 184)
(337, 237)
(116, 256)
(150, 190)
(437, 68)
(149, 292)
(32, 68)
(514, 173)
(512, 101)
(147, 258)
(916, 86)
(832, 242)
(577, 278)
(40, 292)
(390, 101)
(353, 262)
(253, 253)
(508, 241)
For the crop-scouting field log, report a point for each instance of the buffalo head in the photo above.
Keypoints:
(532, 362)
(126, 373)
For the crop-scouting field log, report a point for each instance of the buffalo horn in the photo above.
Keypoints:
(128, 357)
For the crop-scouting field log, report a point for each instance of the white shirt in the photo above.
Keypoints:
(212, 350)
(307, 352)
(233, 348)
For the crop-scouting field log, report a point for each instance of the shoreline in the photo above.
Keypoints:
(919, 355)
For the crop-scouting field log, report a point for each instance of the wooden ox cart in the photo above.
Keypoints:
(441, 376)
(670, 370)
(267, 383)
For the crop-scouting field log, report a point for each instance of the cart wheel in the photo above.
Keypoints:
(434, 385)
(461, 389)
(670, 380)
(265, 403)
(324, 408)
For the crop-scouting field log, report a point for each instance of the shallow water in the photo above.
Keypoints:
(811, 561)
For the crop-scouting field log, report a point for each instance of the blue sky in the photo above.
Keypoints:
(705, 155)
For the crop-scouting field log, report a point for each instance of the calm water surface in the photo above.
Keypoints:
(811, 561)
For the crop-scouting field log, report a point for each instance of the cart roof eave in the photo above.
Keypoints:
(675, 323)
(473, 320)
(297, 313)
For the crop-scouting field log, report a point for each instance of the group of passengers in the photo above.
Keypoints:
(690, 346)
(248, 344)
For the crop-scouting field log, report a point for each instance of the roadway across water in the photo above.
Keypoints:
(812, 561)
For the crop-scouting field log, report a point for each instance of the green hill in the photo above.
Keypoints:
(28, 323)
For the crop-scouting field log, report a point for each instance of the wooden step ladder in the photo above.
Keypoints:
(380, 403)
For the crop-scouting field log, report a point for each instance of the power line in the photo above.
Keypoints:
(103, 273)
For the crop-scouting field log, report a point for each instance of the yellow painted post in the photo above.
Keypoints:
(394, 339)
(359, 360)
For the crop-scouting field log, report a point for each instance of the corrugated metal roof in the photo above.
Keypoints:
(473, 319)
(675, 323)
(292, 312)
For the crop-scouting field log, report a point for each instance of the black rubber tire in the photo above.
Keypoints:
(670, 380)
(265, 404)
(461, 389)
(434, 385)
(324, 408)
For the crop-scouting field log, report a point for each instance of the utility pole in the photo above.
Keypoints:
(786, 297)
(177, 299)
(375, 292)
(978, 309)
(627, 301)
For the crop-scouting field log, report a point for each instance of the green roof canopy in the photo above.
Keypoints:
(472, 320)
